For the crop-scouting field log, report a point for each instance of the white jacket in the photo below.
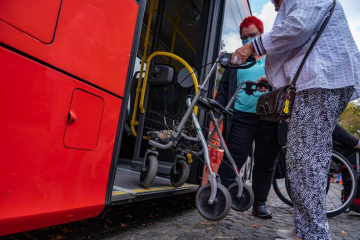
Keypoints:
(333, 63)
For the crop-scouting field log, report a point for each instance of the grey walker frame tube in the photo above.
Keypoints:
(238, 178)
(190, 111)
(212, 175)
(228, 106)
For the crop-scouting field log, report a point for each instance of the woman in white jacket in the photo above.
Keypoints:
(329, 79)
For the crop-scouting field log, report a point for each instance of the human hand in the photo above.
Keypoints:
(240, 56)
(262, 79)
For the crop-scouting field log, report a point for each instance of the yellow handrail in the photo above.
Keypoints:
(191, 71)
(138, 87)
(153, 8)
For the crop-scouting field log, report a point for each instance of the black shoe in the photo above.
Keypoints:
(261, 212)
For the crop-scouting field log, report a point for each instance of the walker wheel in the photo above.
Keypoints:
(220, 207)
(148, 172)
(179, 177)
(246, 200)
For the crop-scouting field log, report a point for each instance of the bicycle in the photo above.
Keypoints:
(341, 192)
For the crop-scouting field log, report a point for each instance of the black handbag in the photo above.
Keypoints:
(278, 104)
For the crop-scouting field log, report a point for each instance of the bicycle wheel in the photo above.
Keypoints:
(281, 191)
(335, 201)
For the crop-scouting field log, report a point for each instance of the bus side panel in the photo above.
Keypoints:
(92, 39)
(43, 182)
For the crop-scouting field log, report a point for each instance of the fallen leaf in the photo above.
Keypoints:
(255, 226)
(123, 225)
(204, 223)
(103, 215)
(58, 237)
(209, 228)
(29, 236)
(65, 230)
(343, 232)
(129, 216)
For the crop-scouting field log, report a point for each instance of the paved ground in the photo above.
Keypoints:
(176, 218)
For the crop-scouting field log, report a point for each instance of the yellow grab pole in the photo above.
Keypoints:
(138, 88)
(191, 71)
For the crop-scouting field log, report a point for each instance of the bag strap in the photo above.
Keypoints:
(313, 44)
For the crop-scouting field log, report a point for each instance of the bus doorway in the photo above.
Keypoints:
(182, 27)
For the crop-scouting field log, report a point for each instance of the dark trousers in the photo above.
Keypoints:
(245, 128)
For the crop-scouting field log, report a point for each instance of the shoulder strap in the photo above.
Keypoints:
(313, 44)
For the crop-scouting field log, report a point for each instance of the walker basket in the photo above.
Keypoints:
(162, 126)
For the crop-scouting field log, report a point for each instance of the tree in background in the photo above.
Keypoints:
(350, 118)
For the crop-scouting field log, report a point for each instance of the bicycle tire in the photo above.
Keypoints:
(279, 193)
(354, 186)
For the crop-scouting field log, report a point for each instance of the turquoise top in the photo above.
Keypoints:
(244, 102)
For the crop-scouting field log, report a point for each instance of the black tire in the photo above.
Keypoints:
(281, 191)
(221, 206)
(246, 200)
(338, 163)
(178, 178)
(148, 173)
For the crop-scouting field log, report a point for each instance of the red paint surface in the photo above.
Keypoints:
(37, 18)
(93, 40)
(44, 183)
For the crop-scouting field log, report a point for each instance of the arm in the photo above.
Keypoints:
(301, 21)
(344, 137)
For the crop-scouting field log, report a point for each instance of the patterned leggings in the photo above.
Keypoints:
(308, 156)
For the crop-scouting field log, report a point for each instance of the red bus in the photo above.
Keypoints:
(67, 87)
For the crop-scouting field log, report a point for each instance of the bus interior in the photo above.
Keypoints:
(189, 29)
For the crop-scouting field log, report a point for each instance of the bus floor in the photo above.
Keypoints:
(127, 187)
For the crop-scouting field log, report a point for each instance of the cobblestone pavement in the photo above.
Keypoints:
(176, 218)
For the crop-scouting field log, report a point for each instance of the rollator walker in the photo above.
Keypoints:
(213, 200)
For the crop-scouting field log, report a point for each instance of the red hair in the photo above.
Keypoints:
(252, 20)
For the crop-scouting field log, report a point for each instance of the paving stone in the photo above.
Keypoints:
(175, 218)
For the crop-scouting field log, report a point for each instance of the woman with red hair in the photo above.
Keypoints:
(245, 126)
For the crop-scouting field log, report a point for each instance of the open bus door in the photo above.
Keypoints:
(63, 67)
(191, 29)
